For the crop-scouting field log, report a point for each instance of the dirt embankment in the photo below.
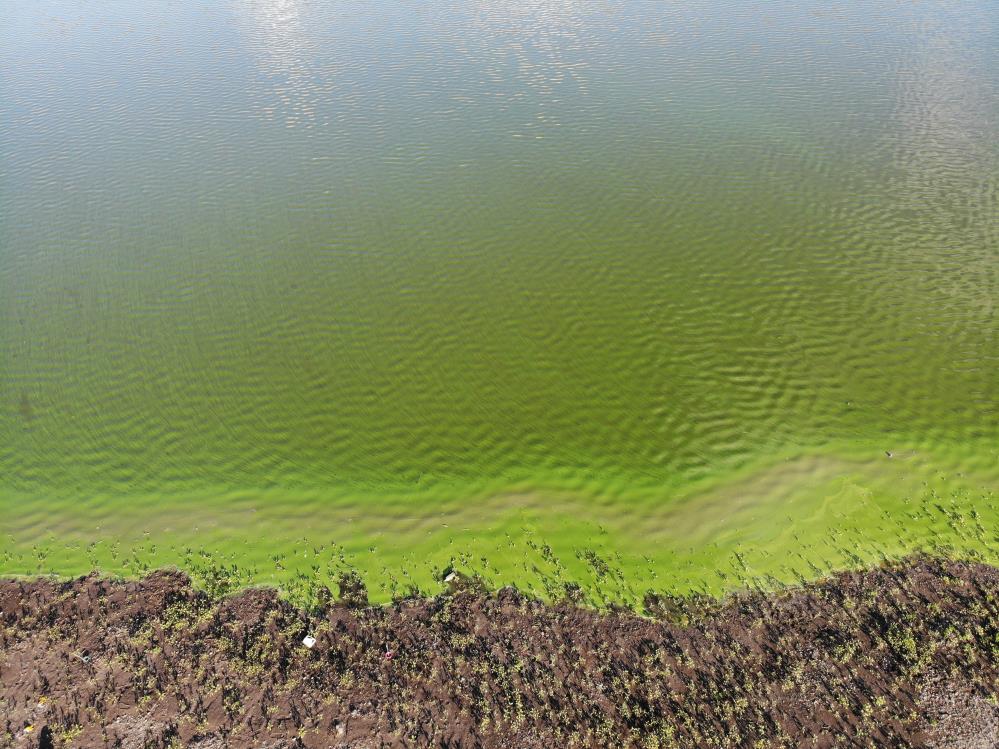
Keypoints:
(901, 656)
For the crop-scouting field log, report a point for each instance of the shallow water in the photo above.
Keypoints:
(411, 277)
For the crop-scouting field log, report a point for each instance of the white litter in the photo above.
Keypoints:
(309, 641)
(451, 577)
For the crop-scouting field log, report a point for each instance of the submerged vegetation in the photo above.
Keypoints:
(904, 655)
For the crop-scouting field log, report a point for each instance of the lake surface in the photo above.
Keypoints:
(670, 279)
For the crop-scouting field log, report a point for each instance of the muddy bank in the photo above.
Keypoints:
(900, 656)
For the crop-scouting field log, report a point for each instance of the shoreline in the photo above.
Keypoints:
(904, 654)
(780, 520)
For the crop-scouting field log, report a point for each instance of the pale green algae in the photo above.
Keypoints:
(795, 519)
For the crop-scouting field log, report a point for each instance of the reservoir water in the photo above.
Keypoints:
(684, 282)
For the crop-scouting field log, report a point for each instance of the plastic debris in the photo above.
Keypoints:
(309, 641)
(389, 654)
(451, 577)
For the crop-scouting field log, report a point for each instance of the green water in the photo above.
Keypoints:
(435, 280)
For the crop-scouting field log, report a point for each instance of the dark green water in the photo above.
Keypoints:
(390, 262)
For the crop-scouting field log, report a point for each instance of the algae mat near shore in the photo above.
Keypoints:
(705, 289)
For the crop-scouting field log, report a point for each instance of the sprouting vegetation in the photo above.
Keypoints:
(881, 658)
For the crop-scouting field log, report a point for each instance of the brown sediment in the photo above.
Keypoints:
(905, 655)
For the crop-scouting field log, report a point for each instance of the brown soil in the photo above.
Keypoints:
(905, 655)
